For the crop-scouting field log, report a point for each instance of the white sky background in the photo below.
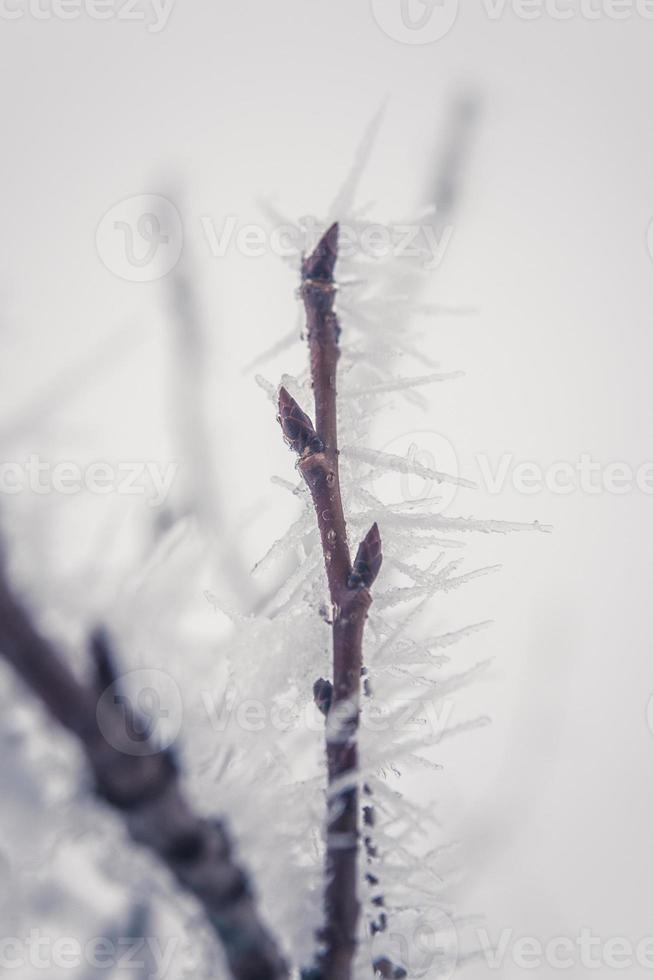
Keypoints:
(236, 101)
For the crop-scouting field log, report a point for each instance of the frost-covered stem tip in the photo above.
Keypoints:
(144, 787)
(349, 585)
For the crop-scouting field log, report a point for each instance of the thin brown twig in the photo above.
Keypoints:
(349, 587)
(141, 781)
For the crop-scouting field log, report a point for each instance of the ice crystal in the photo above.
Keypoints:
(249, 736)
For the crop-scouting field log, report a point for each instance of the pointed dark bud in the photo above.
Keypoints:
(368, 560)
(384, 967)
(296, 426)
(322, 261)
(102, 654)
(322, 695)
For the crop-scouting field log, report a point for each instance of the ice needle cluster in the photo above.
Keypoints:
(237, 701)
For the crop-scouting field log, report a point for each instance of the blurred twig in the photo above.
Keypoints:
(445, 189)
(144, 787)
(200, 489)
(67, 385)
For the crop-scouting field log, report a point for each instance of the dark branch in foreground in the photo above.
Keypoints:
(141, 781)
(317, 447)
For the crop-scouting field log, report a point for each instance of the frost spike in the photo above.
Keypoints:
(368, 560)
(296, 426)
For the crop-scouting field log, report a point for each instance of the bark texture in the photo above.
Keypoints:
(349, 588)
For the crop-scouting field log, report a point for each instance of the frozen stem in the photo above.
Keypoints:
(349, 585)
(144, 787)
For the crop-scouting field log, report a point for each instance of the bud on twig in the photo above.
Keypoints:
(322, 695)
(296, 426)
(100, 649)
(368, 560)
(319, 265)
(350, 600)
(384, 967)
